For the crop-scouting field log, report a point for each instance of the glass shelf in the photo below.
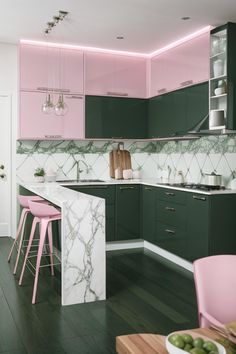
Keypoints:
(218, 77)
(219, 96)
(218, 55)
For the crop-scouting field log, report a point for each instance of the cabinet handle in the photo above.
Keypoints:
(186, 83)
(122, 188)
(169, 209)
(117, 93)
(74, 96)
(199, 198)
(61, 90)
(148, 189)
(170, 194)
(53, 136)
(44, 89)
(170, 231)
(162, 90)
(92, 187)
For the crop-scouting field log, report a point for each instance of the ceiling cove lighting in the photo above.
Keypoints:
(181, 40)
(101, 50)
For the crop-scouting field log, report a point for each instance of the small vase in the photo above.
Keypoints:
(39, 179)
(218, 68)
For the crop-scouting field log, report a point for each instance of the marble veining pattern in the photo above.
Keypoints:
(83, 269)
(194, 158)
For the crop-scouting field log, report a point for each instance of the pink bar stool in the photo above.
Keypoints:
(18, 242)
(43, 214)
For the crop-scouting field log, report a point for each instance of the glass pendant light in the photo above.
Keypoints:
(61, 107)
(48, 106)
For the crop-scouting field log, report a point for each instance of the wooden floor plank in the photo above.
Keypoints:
(144, 294)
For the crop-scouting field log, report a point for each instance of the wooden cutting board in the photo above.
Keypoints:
(119, 158)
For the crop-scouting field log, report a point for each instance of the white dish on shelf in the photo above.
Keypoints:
(219, 91)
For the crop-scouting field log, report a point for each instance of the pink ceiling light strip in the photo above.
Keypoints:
(101, 50)
(180, 41)
(90, 49)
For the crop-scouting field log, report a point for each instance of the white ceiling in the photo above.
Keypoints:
(146, 25)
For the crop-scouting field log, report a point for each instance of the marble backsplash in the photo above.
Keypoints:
(153, 159)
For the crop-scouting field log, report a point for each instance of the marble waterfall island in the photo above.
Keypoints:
(83, 257)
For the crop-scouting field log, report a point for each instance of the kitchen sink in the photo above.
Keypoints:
(80, 181)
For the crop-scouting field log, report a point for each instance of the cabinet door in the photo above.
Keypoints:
(148, 209)
(34, 124)
(167, 114)
(113, 117)
(35, 67)
(72, 70)
(197, 105)
(115, 75)
(127, 212)
(197, 226)
(171, 238)
(183, 65)
(53, 68)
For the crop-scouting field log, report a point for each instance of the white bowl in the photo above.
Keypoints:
(174, 350)
(219, 91)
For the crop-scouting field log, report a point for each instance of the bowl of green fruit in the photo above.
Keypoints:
(182, 343)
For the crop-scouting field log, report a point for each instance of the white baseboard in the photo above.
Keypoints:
(133, 244)
(170, 256)
(124, 245)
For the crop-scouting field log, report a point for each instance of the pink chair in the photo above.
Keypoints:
(43, 214)
(19, 239)
(215, 283)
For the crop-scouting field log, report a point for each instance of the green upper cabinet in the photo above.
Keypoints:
(113, 117)
(197, 105)
(127, 212)
(176, 112)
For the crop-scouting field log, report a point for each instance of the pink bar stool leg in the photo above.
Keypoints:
(20, 243)
(44, 225)
(21, 223)
(50, 246)
(35, 221)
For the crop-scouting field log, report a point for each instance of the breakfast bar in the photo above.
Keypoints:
(83, 267)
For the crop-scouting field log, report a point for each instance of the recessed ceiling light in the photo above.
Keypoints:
(185, 18)
(119, 37)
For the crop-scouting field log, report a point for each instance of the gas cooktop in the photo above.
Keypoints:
(195, 186)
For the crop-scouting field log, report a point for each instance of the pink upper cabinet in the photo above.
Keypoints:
(115, 75)
(183, 65)
(53, 68)
(34, 124)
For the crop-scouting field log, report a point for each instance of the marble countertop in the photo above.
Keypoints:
(155, 182)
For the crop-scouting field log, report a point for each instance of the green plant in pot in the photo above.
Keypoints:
(39, 174)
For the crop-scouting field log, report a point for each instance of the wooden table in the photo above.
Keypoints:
(152, 343)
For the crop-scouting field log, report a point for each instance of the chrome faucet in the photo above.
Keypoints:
(79, 170)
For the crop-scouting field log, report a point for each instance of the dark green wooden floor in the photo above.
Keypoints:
(144, 294)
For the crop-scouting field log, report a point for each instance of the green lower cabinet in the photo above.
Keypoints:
(109, 194)
(171, 238)
(115, 117)
(148, 212)
(127, 212)
(198, 221)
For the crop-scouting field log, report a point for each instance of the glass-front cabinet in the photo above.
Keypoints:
(222, 104)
